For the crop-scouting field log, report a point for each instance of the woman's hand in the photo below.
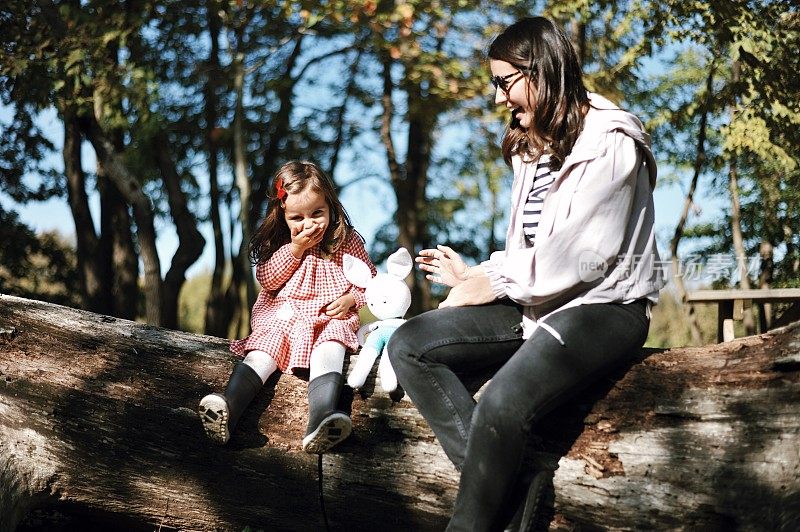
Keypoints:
(305, 237)
(340, 307)
(445, 265)
(473, 291)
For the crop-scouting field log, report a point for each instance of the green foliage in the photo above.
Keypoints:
(749, 50)
(40, 267)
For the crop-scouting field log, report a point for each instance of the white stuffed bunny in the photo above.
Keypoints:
(388, 298)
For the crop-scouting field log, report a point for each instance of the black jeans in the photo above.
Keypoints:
(487, 440)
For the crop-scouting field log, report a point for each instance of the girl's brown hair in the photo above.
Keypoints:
(295, 177)
(542, 52)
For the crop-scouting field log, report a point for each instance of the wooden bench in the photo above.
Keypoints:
(732, 303)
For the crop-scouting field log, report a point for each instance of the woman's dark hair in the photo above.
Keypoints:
(295, 177)
(556, 97)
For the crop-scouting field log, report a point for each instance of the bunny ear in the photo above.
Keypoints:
(399, 263)
(356, 271)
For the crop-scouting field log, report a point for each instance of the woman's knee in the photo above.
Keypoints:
(501, 411)
(402, 343)
(410, 338)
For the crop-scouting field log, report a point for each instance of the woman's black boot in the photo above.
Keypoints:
(536, 511)
(219, 413)
(327, 425)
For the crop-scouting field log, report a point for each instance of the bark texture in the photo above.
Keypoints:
(98, 413)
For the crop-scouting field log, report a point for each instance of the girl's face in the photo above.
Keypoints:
(512, 91)
(306, 210)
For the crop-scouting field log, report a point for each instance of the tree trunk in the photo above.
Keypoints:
(116, 223)
(119, 250)
(233, 306)
(95, 279)
(578, 39)
(242, 181)
(98, 413)
(214, 324)
(279, 132)
(411, 196)
(736, 218)
(131, 189)
(770, 228)
(767, 253)
(190, 240)
(694, 438)
(699, 162)
(80, 389)
(409, 180)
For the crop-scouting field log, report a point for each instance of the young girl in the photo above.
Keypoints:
(306, 314)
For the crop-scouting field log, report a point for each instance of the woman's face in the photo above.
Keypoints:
(512, 91)
(306, 210)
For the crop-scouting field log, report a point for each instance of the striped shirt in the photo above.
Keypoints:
(532, 212)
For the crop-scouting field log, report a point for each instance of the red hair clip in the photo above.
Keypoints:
(281, 192)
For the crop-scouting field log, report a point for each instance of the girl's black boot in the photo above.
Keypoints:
(219, 413)
(327, 425)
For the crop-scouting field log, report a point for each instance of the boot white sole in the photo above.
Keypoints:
(213, 411)
(334, 429)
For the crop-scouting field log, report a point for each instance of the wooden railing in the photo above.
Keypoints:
(732, 303)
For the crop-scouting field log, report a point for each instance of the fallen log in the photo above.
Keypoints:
(97, 413)
(704, 438)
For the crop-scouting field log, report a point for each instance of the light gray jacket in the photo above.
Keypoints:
(595, 242)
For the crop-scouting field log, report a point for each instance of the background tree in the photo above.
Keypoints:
(752, 109)
(189, 112)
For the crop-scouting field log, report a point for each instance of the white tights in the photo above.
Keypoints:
(325, 358)
(262, 363)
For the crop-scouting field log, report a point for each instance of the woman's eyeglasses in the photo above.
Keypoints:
(501, 82)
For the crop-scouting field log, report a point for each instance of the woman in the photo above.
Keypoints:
(567, 299)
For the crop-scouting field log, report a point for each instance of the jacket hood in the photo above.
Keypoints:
(605, 117)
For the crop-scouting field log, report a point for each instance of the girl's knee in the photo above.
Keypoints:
(327, 357)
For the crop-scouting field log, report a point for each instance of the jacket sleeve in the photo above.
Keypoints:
(588, 232)
(275, 271)
(355, 247)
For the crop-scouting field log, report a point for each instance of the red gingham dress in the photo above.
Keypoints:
(288, 318)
